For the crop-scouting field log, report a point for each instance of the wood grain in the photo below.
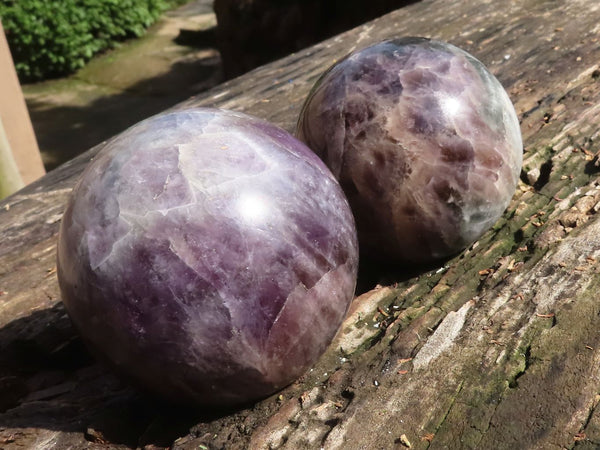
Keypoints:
(496, 348)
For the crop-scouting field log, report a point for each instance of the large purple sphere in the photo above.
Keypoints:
(208, 255)
(425, 142)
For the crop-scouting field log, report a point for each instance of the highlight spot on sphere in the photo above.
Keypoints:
(207, 255)
(424, 141)
(253, 208)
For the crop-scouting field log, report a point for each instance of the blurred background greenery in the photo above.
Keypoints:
(55, 38)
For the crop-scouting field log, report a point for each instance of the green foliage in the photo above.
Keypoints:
(50, 38)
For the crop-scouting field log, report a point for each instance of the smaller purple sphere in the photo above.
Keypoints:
(208, 255)
(424, 141)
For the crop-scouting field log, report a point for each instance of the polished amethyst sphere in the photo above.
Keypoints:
(208, 255)
(424, 141)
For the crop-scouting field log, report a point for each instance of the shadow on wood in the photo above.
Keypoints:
(500, 349)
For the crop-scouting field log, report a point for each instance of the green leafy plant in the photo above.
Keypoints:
(50, 38)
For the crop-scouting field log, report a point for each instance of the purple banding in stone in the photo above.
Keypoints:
(208, 255)
(424, 141)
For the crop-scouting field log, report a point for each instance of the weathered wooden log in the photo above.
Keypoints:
(497, 348)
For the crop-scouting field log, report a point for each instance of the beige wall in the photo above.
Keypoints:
(15, 118)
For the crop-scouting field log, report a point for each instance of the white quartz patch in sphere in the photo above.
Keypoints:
(208, 255)
(424, 141)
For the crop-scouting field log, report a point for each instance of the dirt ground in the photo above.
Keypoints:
(175, 60)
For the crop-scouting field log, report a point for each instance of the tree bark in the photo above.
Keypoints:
(498, 347)
(253, 32)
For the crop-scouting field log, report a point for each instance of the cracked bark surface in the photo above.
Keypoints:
(496, 348)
